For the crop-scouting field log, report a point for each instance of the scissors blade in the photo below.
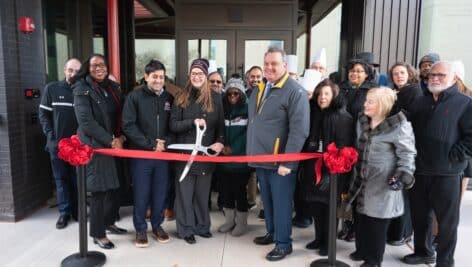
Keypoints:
(182, 146)
(188, 165)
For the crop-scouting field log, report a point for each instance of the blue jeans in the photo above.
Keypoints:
(65, 177)
(277, 196)
(150, 179)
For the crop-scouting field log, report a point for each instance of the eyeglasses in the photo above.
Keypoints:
(232, 94)
(197, 74)
(438, 75)
(216, 81)
(98, 66)
(356, 71)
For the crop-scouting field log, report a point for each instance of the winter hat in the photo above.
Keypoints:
(320, 57)
(367, 57)
(430, 57)
(200, 63)
(292, 63)
(235, 83)
(310, 80)
(212, 66)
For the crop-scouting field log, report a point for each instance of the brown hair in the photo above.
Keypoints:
(326, 82)
(204, 99)
(463, 88)
(412, 73)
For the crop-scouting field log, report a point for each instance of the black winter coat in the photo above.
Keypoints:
(407, 96)
(336, 125)
(443, 133)
(182, 125)
(95, 129)
(146, 118)
(355, 97)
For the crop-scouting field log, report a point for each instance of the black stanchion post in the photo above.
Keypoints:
(84, 258)
(331, 260)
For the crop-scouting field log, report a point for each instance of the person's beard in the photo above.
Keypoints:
(436, 89)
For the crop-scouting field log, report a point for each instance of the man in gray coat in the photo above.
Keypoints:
(278, 123)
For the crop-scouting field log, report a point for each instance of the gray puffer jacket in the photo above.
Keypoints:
(386, 151)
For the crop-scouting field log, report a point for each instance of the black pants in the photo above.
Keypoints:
(234, 190)
(320, 213)
(402, 226)
(103, 210)
(191, 204)
(440, 194)
(300, 206)
(371, 235)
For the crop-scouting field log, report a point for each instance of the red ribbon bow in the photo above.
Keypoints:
(73, 151)
(336, 160)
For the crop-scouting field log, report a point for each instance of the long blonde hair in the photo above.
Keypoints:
(204, 99)
(463, 88)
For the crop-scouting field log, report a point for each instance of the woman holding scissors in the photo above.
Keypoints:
(196, 106)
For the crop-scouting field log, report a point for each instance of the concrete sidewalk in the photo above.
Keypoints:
(36, 242)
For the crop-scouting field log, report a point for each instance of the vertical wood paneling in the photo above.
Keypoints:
(391, 30)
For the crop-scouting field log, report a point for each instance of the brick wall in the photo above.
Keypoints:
(25, 182)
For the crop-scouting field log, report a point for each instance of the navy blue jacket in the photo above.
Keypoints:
(443, 132)
(56, 113)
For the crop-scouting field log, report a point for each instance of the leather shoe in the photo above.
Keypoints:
(113, 229)
(190, 239)
(62, 221)
(323, 251)
(278, 253)
(355, 256)
(365, 264)
(315, 244)
(417, 259)
(264, 240)
(107, 245)
(206, 235)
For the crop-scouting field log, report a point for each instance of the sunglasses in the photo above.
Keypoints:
(216, 81)
(231, 94)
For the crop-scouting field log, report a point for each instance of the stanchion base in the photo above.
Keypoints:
(93, 259)
(325, 263)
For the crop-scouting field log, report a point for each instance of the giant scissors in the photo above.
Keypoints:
(195, 148)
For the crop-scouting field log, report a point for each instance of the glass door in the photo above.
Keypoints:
(251, 46)
(218, 46)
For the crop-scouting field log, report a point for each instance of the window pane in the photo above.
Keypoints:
(211, 49)
(254, 51)
(160, 49)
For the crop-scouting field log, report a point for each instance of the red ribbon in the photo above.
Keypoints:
(142, 154)
(336, 160)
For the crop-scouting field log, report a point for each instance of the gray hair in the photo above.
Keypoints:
(276, 49)
(451, 67)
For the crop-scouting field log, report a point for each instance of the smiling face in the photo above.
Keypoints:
(357, 75)
(155, 80)
(325, 97)
(274, 66)
(400, 76)
(216, 83)
(197, 77)
(255, 77)
(98, 69)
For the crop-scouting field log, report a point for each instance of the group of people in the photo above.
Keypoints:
(414, 141)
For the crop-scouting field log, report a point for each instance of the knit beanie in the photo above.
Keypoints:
(235, 83)
(200, 63)
(430, 57)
